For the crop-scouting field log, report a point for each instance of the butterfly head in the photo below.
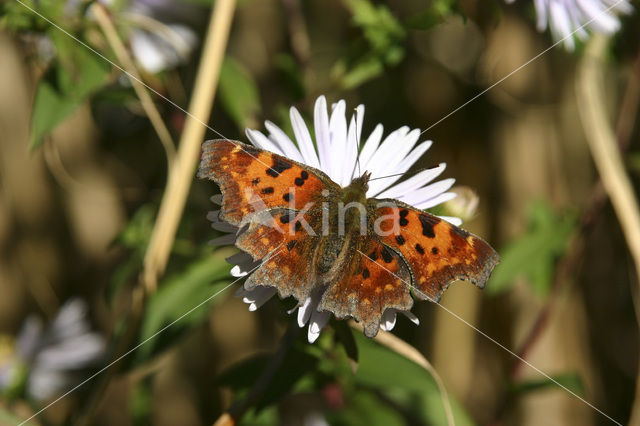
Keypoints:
(357, 190)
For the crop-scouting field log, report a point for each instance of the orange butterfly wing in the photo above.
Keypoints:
(276, 238)
(252, 180)
(377, 280)
(437, 252)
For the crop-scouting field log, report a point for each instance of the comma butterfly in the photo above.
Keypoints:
(359, 255)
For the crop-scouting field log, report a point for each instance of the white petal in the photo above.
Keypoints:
(416, 181)
(442, 198)
(388, 320)
(257, 296)
(338, 138)
(456, 221)
(370, 147)
(392, 166)
(386, 148)
(414, 319)
(72, 353)
(304, 312)
(428, 192)
(323, 139)
(261, 141)
(282, 140)
(541, 13)
(318, 321)
(304, 138)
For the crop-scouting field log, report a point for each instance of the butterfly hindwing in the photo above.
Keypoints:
(377, 280)
(277, 238)
(437, 252)
(253, 180)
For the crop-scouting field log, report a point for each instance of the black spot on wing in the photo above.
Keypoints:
(279, 166)
(373, 255)
(287, 197)
(419, 249)
(387, 256)
(400, 240)
(428, 222)
(267, 190)
(434, 250)
(255, 181)
(365, 273)
(299, 181)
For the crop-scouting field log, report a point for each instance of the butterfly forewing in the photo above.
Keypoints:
(253, 180)
(437, 252)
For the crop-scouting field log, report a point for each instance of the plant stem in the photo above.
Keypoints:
(108, 28)
(182, 170)
(609, 162)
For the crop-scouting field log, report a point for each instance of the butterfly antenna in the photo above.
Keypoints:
(404, 174)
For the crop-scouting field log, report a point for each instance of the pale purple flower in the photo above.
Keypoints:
(570, 19)
(50, 358)
(335, 151)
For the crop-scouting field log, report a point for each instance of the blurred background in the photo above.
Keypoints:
(82, 175)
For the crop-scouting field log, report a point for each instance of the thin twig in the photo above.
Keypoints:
(607, 158)
(182, 170)
(108, 28)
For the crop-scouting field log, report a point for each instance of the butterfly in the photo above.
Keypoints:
(360, 255)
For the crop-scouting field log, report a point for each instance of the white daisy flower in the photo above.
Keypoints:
(48, 360)
(335, 152)
(567, 19)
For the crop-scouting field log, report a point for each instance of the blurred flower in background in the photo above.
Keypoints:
(43, 362)
(570, 19)
(163, 32)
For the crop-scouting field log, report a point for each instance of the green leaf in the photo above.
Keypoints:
(177, 295)
(383, 40)
(8, 418)
(72, 79)
(437, 12)
(365, 408)
(571, 381)
(239, 93)
(533, 254)
(297, 363)
(404, 381)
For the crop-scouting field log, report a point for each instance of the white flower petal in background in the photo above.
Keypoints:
(336, 152)
(570, 19)
(53, 356)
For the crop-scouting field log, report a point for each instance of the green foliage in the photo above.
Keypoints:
(185, 295)
(239, 93)
(296, 364)
(534, 253)
(76, 75)
(405, 383)
(384, 36)
(439, 10)
(571, 381)
(8, 418)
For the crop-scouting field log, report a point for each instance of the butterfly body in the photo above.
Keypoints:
(315, 238)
